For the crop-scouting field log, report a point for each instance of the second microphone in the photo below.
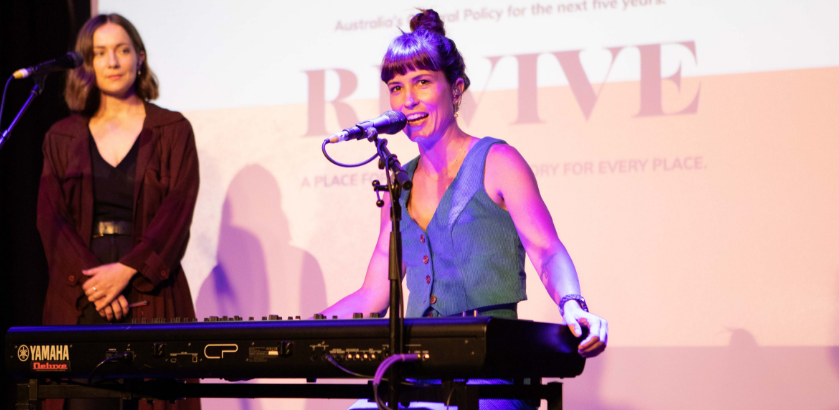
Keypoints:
(390, 122)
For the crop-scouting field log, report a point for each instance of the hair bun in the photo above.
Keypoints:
(428, 20)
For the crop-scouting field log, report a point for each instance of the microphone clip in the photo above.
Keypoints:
(39, 79)
(372, 133)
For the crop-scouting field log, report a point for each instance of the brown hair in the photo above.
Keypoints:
(81, 92)
(426, 47)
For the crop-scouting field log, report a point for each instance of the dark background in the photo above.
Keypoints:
(31, 31)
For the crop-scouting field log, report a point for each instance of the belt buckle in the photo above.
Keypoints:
(108, 228)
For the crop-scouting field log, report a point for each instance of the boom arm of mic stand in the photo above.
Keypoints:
(36, 91)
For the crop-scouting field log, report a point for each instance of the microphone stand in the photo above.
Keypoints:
(397, 180)
(36, 91)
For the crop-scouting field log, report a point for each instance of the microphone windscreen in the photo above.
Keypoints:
(74, 59)
(396, 122)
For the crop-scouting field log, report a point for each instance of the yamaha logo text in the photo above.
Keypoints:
(43, 352)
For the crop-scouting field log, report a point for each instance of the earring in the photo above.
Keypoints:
(456, 107)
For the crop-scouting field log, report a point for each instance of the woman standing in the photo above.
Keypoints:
(117, 191)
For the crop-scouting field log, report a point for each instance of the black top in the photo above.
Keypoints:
(113, 187)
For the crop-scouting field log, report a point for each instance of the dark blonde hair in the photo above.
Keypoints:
(81, 92)
(426, 47)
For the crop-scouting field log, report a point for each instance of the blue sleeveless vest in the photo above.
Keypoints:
(471, 255)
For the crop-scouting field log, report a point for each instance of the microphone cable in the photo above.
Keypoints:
(382, 369)
(325, 154)
(3, 102)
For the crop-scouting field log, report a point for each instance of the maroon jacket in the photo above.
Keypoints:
(165, 190)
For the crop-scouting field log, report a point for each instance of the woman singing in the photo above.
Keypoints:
(117, 191)
(474, 208)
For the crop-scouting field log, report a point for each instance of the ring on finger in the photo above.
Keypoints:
(94, 288)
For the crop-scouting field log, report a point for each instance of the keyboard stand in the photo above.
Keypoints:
(130, 391)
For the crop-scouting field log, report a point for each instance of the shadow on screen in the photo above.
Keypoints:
(258, 272)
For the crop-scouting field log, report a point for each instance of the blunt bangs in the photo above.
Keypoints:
(409, 52)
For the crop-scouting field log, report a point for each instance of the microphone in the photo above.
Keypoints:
(390, 122)
(65, 62)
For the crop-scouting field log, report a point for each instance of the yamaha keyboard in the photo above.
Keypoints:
(448, 348)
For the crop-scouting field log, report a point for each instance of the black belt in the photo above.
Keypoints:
(103, 228)
(476, 312)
